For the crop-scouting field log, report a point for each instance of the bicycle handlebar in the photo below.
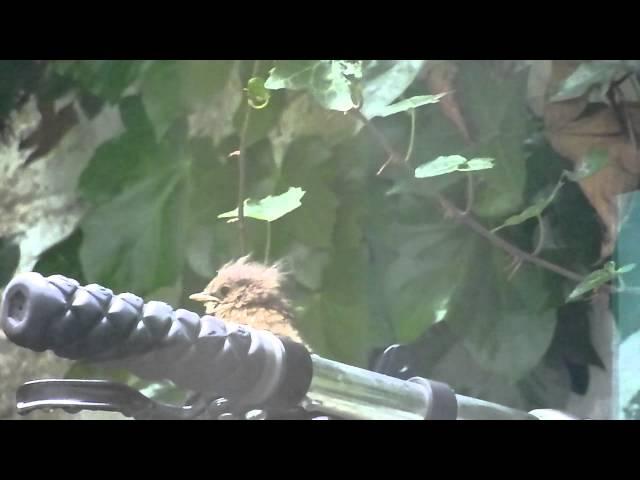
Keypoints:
(153, 341)
(252, 368)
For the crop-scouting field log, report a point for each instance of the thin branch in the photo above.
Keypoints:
(499, 242)
(242, 168)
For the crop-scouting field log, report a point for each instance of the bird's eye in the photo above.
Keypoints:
(224, 291)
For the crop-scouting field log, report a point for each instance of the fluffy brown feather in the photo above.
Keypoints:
(250, 293)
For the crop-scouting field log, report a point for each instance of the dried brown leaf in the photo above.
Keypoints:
(573, 136)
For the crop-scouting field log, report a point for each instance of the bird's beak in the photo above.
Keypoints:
(204, 297)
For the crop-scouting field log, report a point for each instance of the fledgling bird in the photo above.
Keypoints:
(250, 293)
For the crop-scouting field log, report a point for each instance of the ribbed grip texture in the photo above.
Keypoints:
(151, 339)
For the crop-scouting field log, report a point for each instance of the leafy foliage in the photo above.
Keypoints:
(373, 260)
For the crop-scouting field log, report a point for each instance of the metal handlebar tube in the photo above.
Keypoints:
(153, 341)
(354, 393)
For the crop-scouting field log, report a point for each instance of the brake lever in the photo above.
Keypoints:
(73, 396)
(98, 395)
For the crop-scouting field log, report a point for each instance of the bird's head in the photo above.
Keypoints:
(240, 284)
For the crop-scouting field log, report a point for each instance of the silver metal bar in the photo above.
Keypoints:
(357, 394)
(474, 409)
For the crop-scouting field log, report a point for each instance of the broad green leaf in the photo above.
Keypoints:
(383, 81)
(313, 223)
(440, 166)
(303, 117)
(326, 80)
(598, 278)
(307, 165)
(497, 116)
(134, 242)
(586, 76)
(429, 263)
(409, 103)
(308, 265)
(270, 208)
(162, 93)
(337, 320)
(126, 159)
(507, 325)
(200, 80)
(594, 161)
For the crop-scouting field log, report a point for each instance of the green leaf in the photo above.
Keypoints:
(383, 81)
(409, 103)
(63, 258)
(586, 76)
(429, 263)
(270, 208)
(532, 211)
(337, 320)
(478, 164)
(162, 93)
(313, 223)
(440, 166)
(326, 80)
(308, 265)
(497, 116)
(134, 242)
(507, 325)
(594, 161)
(452, 163)
(307, 165)
(598, 278)
(125, 159)
(200, 80)
(304, 117)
